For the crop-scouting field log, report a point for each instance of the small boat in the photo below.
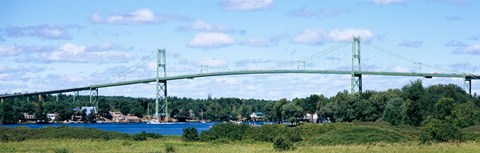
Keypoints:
(153, 121)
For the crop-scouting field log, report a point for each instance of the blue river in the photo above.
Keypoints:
(132, 128)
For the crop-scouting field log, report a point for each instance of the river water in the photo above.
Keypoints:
(130, 128)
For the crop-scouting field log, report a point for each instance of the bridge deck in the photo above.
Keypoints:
(200, 75)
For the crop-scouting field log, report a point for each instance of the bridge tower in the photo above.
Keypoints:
(161, 85)
(468, 84)
(356, 83)
(94, 97)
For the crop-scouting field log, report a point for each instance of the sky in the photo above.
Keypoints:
(57, 44)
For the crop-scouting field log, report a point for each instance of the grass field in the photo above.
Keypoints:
(159, 145)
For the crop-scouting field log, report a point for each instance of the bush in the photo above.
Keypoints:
(60, 150)
(282, 144)
(190, 134)
(440, 131)
(228, 131)
(358, 135)
(169, 148)
(126, 143)
(140, 137)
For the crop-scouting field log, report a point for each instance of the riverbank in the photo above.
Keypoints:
(159, 145)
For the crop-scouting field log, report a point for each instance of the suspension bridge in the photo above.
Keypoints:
(355, 71)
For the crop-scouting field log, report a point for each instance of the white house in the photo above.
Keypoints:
(51, 117)
(309, 116)
(89, 110)
(256, 115)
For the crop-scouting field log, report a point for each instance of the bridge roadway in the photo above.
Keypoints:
(246, 72)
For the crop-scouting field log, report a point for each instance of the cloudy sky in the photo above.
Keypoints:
(49, 44)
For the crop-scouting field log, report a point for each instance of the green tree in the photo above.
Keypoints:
(277, 109)
(466, 114)
(309, 104)
(443, 108)
(292, 112)
(394, 111)
(418, 105)
(103, 107)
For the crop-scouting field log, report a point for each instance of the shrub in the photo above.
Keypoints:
(359, 135)
(190, 134)
(282, 144)
(140, 137)
(126, 143)
(60, 150)
(228, 131)
(169, 148)
(441, 131)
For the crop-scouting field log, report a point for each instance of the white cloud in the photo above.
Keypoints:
(246, 5)
(41, 31)
(411, 44)
(212, 62)
(257, 43)
(6, 50)
(205, 27)
(386, 2)
(318, 36)
(400, 69)
(73, 53)
(311, 36)
(348, 34)
(211, 40)
(470, 49)
(320, 13)
(140, 16)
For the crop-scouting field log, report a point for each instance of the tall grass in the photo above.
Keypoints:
(159, 145)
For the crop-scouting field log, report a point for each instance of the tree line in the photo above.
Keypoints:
(413, 105)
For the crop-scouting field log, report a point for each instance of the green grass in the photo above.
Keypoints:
(159, 145)
(335, 137)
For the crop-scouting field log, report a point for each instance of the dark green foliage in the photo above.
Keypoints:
(443, 108)
(281, 143)
(140, 137)
(144, 136)
(394, 111)
(169, 148)
(233, 132)
(291, 112)
(441, 131)
(419, 104)
(61, 150)
(227, 131)
(126, 143)
(23, 133)
(358, 135)
(190, 134)
(465, 115)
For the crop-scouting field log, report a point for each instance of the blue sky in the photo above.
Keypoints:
(50, 44)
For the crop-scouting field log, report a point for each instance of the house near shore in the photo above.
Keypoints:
(27, 118)
(311, 117)
(89, 110)
(51, 117)
(119, 117)
(257, 116)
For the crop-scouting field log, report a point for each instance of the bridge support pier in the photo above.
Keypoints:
(75, 97)
(161, 86)
(356, 84)
(468, 85)
(94, 97)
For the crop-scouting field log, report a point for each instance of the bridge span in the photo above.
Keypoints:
(467, 77)
(161, 81)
